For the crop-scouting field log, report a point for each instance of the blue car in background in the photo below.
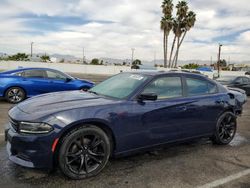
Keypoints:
(130, 112)
(16, 85)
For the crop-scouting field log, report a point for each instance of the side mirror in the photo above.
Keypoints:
(147, 96)
(68, 79)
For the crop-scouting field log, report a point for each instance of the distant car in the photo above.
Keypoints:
(16, 85)
(247, 73)
(241, 82)
(127, 113)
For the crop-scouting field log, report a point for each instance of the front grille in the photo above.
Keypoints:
(13, 124)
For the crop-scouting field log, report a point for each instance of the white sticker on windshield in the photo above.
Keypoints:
(136, 77)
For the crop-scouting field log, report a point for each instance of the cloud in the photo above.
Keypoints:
(107, 28)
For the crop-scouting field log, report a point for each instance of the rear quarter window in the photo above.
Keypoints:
(197, 86)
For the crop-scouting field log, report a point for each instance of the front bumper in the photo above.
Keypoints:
(31, 151)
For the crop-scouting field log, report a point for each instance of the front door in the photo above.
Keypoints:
(164, 117)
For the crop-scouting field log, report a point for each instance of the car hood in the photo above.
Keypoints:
(61, 101)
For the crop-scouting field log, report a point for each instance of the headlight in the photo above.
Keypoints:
(34, 128)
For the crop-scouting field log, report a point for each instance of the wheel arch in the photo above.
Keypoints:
(6, 89)
(100, 124)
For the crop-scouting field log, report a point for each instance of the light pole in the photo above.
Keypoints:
(154, 57)
(132, 58)
(83, 56)
(31, 49)
(218, 63)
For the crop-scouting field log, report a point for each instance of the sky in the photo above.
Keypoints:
(110, 28)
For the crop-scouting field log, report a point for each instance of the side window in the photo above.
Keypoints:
(239, 81)
(55, 75)
(34, 74)
(165, 87)
(246, 80)
(18, 74)
(199, 87)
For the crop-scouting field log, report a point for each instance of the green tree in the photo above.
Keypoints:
(94, 61)
(45, 58)
(223, 63)
(135, 64)
(191, 66)
(18, 57)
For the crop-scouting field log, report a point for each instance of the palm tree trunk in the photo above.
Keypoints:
(164, 48)
(179, 45)
(171, 52)
(177, 51)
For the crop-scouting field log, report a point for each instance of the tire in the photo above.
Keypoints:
(15, 95)
(225, 129)
(84, 88)
(84, 152)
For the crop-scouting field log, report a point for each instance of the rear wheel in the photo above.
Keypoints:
(15, 95)
(84, 152)
(225, 128)
(84, 89)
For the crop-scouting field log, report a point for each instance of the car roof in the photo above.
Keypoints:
(24, 69)
(178, 72)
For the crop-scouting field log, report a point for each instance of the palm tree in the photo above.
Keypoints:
(166, 26)
(180, 25)
(188, 22)
(182, 9)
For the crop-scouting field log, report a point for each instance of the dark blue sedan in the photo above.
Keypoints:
(16, 85)
(130, 112)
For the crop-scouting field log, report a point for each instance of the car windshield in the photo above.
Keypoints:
(226, 79)
(119, 86)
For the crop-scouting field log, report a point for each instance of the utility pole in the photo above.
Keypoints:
(31, 49)
(218, 63)
(132, 59)
(154, 57)
(83, 56)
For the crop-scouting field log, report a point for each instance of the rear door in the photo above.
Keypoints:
(36, 82)
(204, 104)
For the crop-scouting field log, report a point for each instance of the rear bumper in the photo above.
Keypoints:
(29, 151)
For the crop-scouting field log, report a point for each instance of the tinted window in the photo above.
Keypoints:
(246, 80)
(34, 74)
(199, 87)
(165, 87)
(18, 74)
(239, 81)
(55, 75)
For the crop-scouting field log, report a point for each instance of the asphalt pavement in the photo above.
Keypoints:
(193, 164)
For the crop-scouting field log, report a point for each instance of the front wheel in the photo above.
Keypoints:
(84, 152)
(225, 129)
(15, 95)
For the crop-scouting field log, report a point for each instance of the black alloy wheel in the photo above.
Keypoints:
(15, 95)
(84, 152)
(226, 128)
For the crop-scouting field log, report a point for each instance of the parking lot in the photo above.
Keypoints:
(193, 164)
